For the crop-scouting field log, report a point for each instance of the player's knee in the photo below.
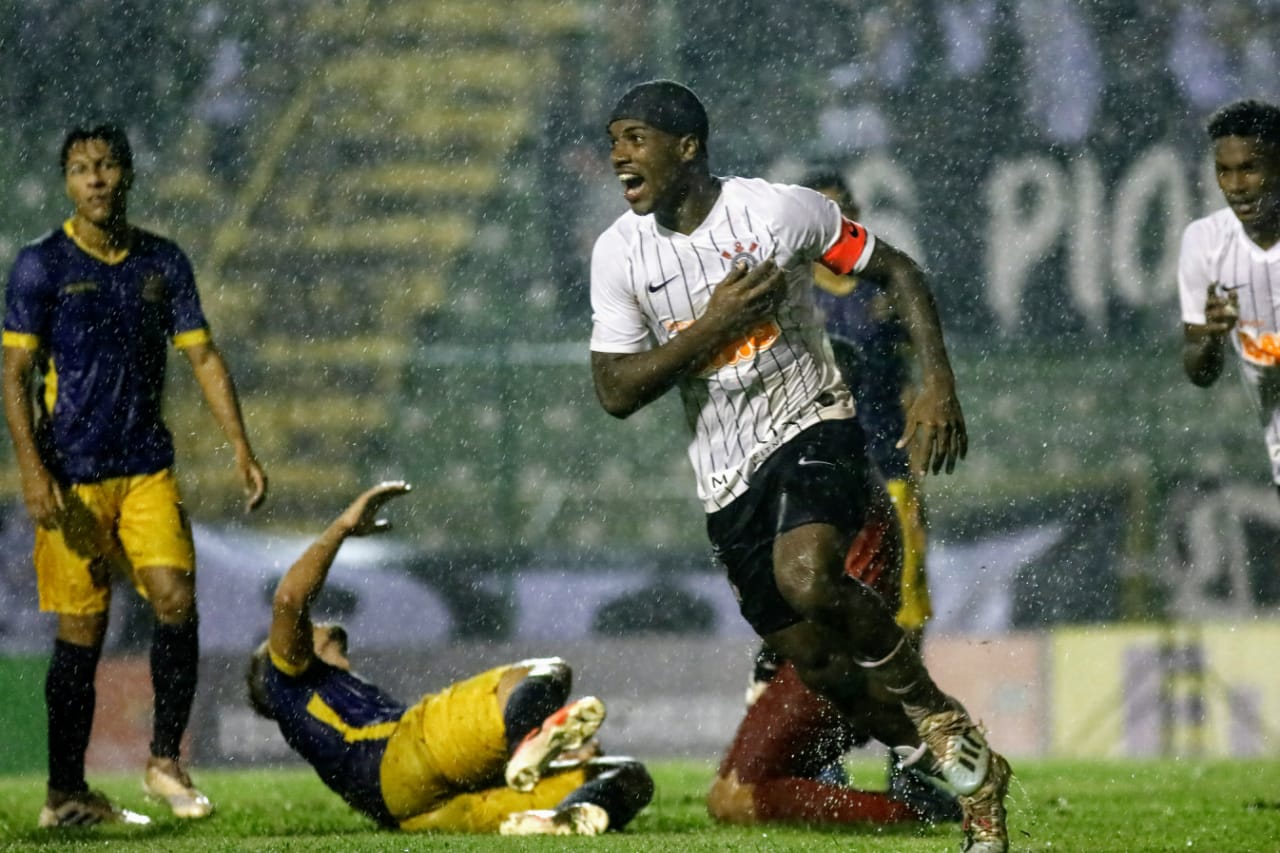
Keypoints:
(808, 586)
(88, 631)
(172, 595)
(174, 607)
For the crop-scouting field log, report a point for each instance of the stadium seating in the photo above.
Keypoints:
(369, 181)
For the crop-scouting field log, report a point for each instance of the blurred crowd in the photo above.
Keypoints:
(989, 74)
(153, 67)
(829, 77)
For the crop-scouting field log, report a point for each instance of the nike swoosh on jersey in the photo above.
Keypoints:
(654, 288)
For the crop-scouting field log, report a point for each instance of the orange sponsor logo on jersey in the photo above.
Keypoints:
(1263, 349)
(759, 339)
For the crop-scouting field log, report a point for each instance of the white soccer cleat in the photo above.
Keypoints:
(577, 819)
(89, 808)
(985, 826)
(959, 748)
(167, 781)
(564, 731)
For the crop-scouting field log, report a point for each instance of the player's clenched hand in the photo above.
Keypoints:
(1221, 309)
(361, 518)
(746, 296)
(935, 430)
(43, 498)
(255, 483)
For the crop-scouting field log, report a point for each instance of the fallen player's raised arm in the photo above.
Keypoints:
(290, 637)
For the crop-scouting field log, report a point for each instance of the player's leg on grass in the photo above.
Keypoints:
(530, 692)
(849, 617)
(154, 537)
(539, 725)
(564, 730)
(617, 788)
(787, 737)
(73, 578)
(175, 658)
(70, 698)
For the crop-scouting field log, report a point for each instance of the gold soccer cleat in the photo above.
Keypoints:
(166, 780)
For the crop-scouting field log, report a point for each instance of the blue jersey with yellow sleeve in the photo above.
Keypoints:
(340, 724)
(857, 311)
(101, 326)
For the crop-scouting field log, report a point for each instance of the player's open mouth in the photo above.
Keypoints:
(632, 185)
(1244, 208)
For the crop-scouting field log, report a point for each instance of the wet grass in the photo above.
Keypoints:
(1100, 807)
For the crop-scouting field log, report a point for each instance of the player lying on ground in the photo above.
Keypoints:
(439, 764)
(780, 764)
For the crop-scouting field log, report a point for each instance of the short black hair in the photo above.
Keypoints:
(112, 134)
(665, 104)
(1247, 118)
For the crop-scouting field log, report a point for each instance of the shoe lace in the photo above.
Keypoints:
(941, 732)
(984, 811)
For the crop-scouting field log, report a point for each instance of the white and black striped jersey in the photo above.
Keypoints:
(648, 283)
(1216, 250)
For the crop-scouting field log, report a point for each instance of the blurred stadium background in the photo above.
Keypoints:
(391, 204)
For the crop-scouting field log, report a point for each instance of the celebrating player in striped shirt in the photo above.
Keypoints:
(1229, 264)
(705, 285)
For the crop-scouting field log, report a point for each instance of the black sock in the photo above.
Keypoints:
(533, 700)
(69, 698)
(175, 656)
(622, 789)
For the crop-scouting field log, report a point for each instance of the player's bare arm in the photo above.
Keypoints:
(935, 428)
(626, 382)
(220, 393)
(1203, 345)
(290, 637)
(40, 491)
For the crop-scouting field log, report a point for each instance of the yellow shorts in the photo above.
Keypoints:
(115, 526)
(443, 766)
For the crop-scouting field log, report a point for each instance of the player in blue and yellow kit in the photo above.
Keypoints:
(872, 350)
(91, 309)
(441, 763)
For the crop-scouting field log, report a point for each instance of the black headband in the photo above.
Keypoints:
(666, 105)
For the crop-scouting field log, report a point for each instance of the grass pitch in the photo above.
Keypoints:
(1100, 807)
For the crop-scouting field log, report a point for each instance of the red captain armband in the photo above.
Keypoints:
(842, 258)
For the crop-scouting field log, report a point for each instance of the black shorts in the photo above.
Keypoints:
(821, 476)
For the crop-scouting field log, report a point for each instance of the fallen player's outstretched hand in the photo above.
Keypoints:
(361, 518)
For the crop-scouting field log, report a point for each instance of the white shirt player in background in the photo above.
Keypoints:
(706, 285)
(1229, 264)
